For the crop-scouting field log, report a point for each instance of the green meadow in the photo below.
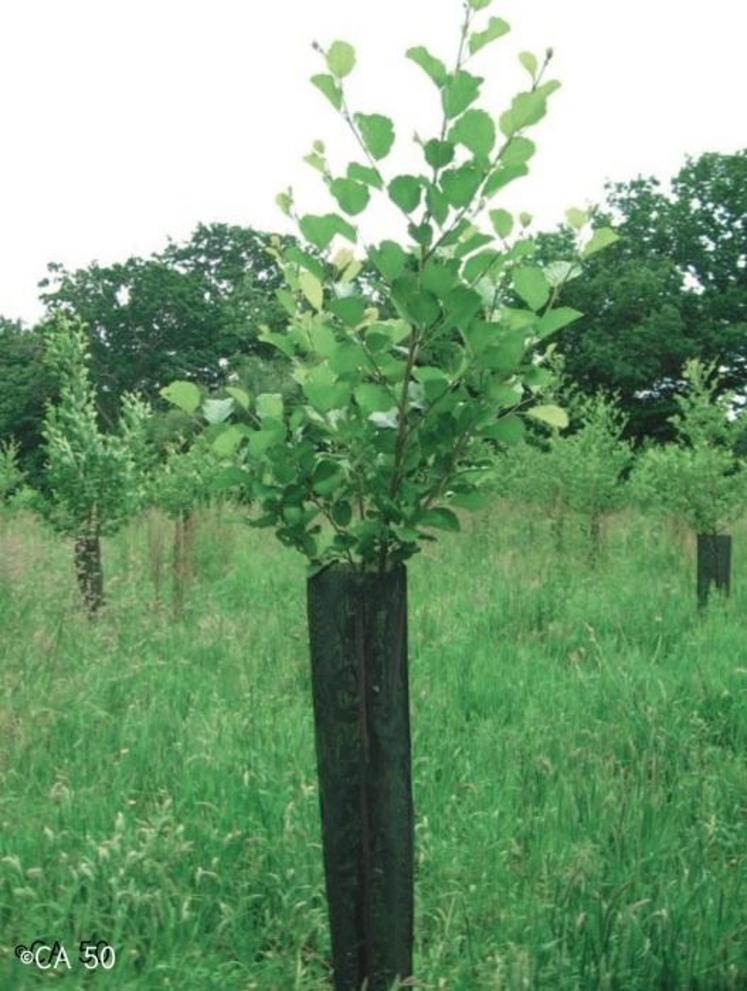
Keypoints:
(579, 759)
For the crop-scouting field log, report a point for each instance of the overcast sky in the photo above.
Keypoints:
(124, 123)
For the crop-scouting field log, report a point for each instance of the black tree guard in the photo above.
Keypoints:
(358, 640)
(714, 564)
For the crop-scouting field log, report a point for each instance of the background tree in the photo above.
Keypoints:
(578, 473)
(189, 312)
(27, 385)
(94, 480)
(674, 287)
(698, 479)
(181, 485)
(12, 475)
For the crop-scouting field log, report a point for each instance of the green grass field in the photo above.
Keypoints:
(580, 771)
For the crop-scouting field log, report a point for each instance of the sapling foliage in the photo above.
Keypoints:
(396, 398)
(698, 479)
(578, 473)
(11, 474)
(95, 481)
(182, 485)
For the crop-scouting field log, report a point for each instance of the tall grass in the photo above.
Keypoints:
(580, 737)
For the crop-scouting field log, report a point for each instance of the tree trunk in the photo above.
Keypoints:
(595, 538)
(557, 525)
(358, 641)
(89, 572)
(156, 553)
(182, 567)
(714, 564)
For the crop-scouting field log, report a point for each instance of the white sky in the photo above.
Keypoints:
(125, 122)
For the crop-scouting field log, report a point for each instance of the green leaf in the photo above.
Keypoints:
(341, 59)
(328, 86)
(505, 394)
(373, 398)
(405, 191)
(311, 287)
(327, 477)
(479, 335)
(437, 204)
(390, 259)
(502, 222)
(531, 284)
(419, 306)
(433, 66)
(364, 173)
(230, 477)
(508, 430)
(475, 130)
(352, 196)
(460, 185)
(526, 109)
(461, 305)
(304, 260)
(506, 355)
(496, 28)
(282, 342)
(558, 273)
(316, 162)
(227, 441)
(552, 415)
(385, 420)
(239, 395)
(323, 390)
(350, 309)
(377, 133)
(421, 233)
(502, 176)
(455, 234)
(538, 378)
(518, 151)
(438, 278)
(270, 405)
(576, 218)
(440, 519)
(217, 410)
(460, 91)
(382, 335)
(438, 154)
(435, 381)
(547, 89)
(479, 4)
(347, 358)
(529, 62)
(472, 242)
(479, 265)
(262, 440)
(556, 319)
(342, 513)
(603, 237)
(321, 339)
(284, 201)
(320, 230)
(184, 395)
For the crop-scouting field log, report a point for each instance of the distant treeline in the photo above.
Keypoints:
(673, 288)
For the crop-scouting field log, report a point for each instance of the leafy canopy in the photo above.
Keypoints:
(698, 477)
(95, 480)
(408, 355)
